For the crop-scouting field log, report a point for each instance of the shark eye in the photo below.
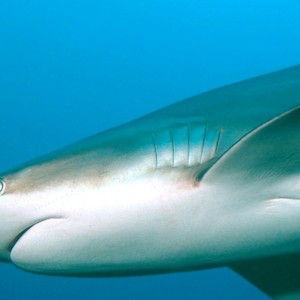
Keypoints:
(2, 186)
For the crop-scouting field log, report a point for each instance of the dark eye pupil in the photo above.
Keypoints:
(2, 186)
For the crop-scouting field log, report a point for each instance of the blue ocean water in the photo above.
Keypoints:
(69, 69)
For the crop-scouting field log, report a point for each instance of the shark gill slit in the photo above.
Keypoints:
(189, 144)
(217, 142)
(155, 151)
(203, 143)
(173, 147)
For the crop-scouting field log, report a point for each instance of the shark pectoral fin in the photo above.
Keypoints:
(262, 166)
(278, 277)
(265, 163)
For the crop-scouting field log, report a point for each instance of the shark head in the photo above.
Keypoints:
(183, 188)
(106, 212)
(24, 193)
(153, 204)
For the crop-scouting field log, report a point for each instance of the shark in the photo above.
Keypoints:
(210, 181)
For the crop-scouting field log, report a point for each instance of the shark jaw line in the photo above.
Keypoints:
(25, 231)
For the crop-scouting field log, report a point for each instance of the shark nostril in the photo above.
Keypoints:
(2, 186)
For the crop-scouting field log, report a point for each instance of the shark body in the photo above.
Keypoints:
(210, 181)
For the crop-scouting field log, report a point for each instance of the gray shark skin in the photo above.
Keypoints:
(210, 181)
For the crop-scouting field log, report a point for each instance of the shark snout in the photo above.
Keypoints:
(17, 217)
(11, 231)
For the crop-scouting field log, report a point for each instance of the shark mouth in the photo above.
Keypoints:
(22, 233)
(19, 235)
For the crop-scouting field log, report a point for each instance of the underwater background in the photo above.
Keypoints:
(69, 69)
